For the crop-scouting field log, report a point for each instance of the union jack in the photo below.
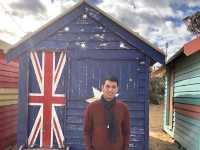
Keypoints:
(48, 69)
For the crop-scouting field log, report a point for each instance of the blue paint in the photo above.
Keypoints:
(32, 80)
(56, 116)
(146, 108)
(22, 123)
(119, 52)
(123, 33)
(32, 114)
(100, 67)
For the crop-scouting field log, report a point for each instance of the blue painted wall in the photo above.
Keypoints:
(95, 46)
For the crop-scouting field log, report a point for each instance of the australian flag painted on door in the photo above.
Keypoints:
(46, 102)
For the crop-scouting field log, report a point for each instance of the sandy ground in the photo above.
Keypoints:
(159, 140)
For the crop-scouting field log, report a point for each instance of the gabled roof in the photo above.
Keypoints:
(53, 26)
(192, 47)
(187, 49)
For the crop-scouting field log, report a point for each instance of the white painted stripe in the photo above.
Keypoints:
(35, 129)
(60, 133)
(36, 71)
(36, 94)
(52, 127)
(41, 130)
(34, 104)
(59, 70)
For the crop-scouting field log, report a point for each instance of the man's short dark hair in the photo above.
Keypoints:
(110, 78)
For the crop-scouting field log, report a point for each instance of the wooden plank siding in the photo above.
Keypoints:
(8, 101)
(87, 60)
(192, 111)
(8, 73)
(95, 46)
(187, 83)
(8, 125)
(136, 101)
(187, 131)
(186, 99)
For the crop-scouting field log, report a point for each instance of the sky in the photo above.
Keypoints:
(158, 21)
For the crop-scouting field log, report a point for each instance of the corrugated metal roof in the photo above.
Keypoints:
(192, 47)
(187, 49)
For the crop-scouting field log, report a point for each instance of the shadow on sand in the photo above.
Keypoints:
(158, 144)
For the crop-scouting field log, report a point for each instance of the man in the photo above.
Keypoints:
(106, 121)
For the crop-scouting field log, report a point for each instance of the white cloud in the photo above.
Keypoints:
(149, 20)
(147, 17)
(16, 24)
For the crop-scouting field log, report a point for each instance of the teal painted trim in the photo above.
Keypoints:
(187, 131)
(166, 127)
(187, 91)
(190, 139)
(165, 113)
(187, 100)
(188, 94)
(192, 67)
(188, 126)
(187, 134)
(188, 120)
(194, 87)
(168, 130)
(187, 61)
(188, 75)
(189, 81)
(183, 140)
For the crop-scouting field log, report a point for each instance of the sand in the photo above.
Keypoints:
(159, 140)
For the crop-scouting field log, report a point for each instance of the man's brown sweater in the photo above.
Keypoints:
(95, 128)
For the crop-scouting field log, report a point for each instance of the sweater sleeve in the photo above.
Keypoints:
(87, 130)
(126, 129)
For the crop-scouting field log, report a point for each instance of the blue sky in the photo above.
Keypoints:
(158, 21)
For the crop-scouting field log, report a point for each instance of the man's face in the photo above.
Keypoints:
(109, 89)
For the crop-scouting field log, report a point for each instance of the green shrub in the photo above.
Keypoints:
(156, 90)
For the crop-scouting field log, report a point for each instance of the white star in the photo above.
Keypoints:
(97, 95)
